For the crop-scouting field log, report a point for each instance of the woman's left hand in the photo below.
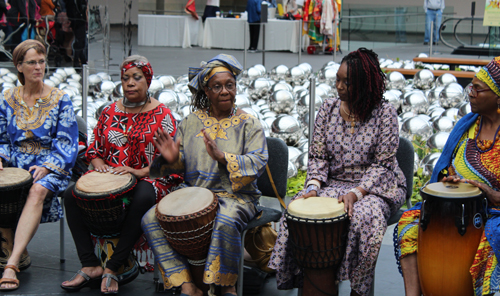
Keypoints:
(212, 148)
(349, 199)
(39, 173)
(492, 195)
(123, 169)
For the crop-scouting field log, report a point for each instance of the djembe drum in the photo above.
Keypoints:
(450, 229)
(15, 184)
(187, 217)
(317, 229)
(103, 199)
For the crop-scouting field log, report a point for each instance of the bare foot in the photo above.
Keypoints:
(228, 290)
(191, 289)
(9, 273)
(113, 287)
(93, 272)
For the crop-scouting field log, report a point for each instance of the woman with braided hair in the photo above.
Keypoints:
(352, 158)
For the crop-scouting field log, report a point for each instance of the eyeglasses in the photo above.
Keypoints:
(473, 91)
(33, 63)
(218, 88)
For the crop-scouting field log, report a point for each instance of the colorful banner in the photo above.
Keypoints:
(492, 13)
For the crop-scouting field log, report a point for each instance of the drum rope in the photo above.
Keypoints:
(197, 262)
(167, 233)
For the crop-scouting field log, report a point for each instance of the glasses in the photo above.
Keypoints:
(218, 88)
(33, 63)
(473, 91)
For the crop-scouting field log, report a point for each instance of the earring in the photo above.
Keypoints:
(498, 109)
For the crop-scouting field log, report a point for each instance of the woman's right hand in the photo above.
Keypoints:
(168, 148)
(1, 165)
(309, 194)
(453, 178)
(99, 165)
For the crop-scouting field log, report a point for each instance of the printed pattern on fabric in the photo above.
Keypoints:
(342, 160)
(45, 135)
(468, 163)
(126, 139)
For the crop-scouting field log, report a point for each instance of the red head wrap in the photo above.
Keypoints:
(146, 69)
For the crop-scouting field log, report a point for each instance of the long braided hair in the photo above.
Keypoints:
(367, 82)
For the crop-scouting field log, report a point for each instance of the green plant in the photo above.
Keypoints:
(296, 183)
(419, 178)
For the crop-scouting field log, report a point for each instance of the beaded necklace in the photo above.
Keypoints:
(484, 145)
(351, 118)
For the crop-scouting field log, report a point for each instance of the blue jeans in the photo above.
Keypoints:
(432, 16)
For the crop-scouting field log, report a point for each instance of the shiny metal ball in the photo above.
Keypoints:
(292, 170)
(279, 72)
(282, 101)
(287, 128)
(463, 109)
(242, 101)
(443, 124)
(434, 93)
(451, 113)
(416, 128)
(445, 79)
(281, 85)
(451, 95)
(168, 81)
(155, 86)
(168, 97)
(393, 99)
(107, 87)
(415, 101)
(293, 153)
(302, 161)
(423, 79)
(296, 74)
(438, 140)
(395, 80)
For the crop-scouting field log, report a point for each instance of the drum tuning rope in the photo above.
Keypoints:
(197, 262)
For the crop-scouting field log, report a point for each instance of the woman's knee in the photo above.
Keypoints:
(37, 194)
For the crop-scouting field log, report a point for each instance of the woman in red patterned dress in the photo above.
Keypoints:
(122, 143)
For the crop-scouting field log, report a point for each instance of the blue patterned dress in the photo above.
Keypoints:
(242, 140)
(45, 135)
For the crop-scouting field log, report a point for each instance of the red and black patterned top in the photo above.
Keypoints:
(126, 139)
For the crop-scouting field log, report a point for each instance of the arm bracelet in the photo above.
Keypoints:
(358, 193)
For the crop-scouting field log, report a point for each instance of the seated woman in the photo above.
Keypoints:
(122, 143)
(39, 133)
(353, 158)
(226, 157)
(470, 155)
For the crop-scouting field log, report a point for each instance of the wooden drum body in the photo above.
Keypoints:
(318, 228)
(187, 217)
(450, 229)
(103, 199)
(15, 184)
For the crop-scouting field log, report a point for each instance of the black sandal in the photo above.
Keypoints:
(86, 283)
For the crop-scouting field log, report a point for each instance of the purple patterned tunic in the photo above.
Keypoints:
(342, 160)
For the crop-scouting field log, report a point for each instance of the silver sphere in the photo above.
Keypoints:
(168, 97)
(168, 81)
(302, 161)
(307, 68)
(423, 79)
(443, 124)
(155, 86)
(451, 95)
(254, 73)
(328, 75)
(451, 113)
(395, 80)
(292, 170)
(415, 101)
(293, 153)
(260, 86)
(445, 79)
(287, 128)
(296, 74)
(463, 109)
(434, 94)
(282, 101)
(104, 76)
(281, 85)
(393, 98)
(416, 127)
(242, 101)
(438, 140)
(435, 112)
(107, 87)
(279, 72)
(184, 99)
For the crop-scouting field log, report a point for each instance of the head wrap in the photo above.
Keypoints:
(490, 74)
(199, 77)
(146, 69)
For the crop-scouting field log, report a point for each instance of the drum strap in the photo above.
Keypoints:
(274, 187)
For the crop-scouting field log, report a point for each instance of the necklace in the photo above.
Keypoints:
(36, 101)
(484, 145)
(129, 104)
(351, 118)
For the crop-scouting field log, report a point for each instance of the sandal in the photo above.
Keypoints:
(86, 283)
(109, 277)
(10, 281)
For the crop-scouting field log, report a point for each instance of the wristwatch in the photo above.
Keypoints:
(311, 188)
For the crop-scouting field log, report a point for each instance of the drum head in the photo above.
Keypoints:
(98, 183)
(318, 207)
(13, 176)
(452, 190)
(185, 201)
